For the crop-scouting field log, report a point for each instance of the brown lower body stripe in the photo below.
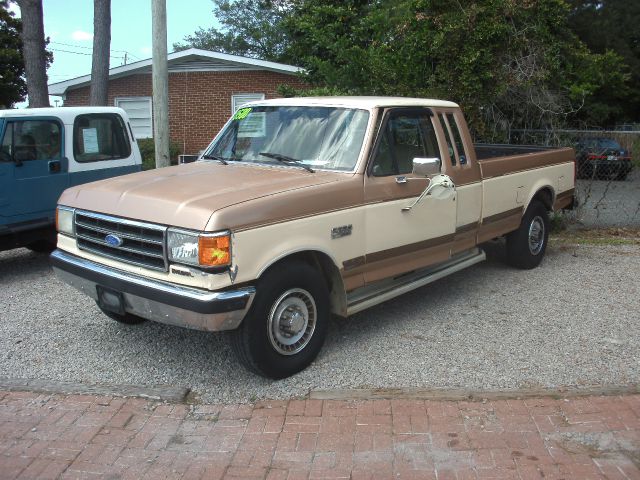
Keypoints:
(501, 216)
(353, 263)
(356, 262)
(466, 228)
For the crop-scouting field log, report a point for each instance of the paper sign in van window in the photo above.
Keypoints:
(253, 126)
(90, 140)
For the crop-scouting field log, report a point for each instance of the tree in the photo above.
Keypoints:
(13, 87)
(251, 28)
(101, 48)
(509, 64)
(34, 53)
(605, 27)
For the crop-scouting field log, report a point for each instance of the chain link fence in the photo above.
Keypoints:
(608, 170)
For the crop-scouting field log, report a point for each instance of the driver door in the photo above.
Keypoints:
(33, 170)
(400, 241)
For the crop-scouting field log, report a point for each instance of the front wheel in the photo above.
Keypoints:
(287, 323)
(526, 245)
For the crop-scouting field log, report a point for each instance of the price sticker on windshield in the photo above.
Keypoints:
(242, 114)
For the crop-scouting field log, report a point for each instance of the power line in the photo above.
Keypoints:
(91, 48)
(82, 53)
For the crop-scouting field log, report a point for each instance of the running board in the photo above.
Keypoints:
(385, 290)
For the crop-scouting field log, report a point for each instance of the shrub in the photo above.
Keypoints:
(148, 153)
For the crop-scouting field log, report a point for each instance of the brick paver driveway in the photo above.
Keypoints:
(81, 436)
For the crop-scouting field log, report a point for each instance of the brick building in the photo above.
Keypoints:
(205, 88)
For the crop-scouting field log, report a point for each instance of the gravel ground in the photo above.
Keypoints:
(572, 321)
(609, 203)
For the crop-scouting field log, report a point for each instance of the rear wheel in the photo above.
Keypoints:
(126, 318)
(287, 323)
(526, 246)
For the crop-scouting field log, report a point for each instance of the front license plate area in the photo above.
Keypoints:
(110, 300)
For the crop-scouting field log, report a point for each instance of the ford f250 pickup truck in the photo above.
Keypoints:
(301, 208)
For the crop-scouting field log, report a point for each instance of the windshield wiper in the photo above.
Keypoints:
(287, 160)
(216, 157)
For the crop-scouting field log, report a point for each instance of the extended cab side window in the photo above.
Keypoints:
(462, 156)
(28, 140)
(100, 136)
(404, 138)
(452, 153)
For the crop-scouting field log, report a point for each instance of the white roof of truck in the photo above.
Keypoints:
(358, 102)
(66, 114)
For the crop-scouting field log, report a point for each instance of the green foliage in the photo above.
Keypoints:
(148, 153)
(509, 63)
(611, 27)
(13, 87)
(250, 28)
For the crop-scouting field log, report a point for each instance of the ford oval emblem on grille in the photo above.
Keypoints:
(113, 240)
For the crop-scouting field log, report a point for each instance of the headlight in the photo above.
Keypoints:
(199, 249)
(64, 220)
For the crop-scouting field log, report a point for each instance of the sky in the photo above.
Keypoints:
(69, 25)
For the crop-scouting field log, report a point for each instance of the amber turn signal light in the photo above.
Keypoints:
(214, 251)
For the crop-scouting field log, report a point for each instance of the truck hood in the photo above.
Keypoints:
(187, 195)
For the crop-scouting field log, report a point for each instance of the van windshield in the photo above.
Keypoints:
(323, 138)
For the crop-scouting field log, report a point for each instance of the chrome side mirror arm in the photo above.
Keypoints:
(437, 181)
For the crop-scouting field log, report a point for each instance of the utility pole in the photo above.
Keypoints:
(160, 83)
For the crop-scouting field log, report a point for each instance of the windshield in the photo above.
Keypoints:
(320, 137)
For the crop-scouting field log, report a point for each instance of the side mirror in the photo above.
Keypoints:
(426, 167)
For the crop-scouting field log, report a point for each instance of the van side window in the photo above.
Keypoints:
(452, 153)
(28, 140)
(457, 138)
(404, 138)
(100, 136)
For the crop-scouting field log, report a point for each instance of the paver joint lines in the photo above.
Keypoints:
(86, 436)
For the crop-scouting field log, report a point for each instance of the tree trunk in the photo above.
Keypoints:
(101, 49)
(33, 51)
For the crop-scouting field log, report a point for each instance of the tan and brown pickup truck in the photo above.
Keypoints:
(301, 208)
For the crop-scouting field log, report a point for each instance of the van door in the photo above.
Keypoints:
(400, 241)
(101, 149)
(34, 170)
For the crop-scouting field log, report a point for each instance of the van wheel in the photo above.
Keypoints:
(42, 246)
(287, 323)
(126, 318)
(526, 246)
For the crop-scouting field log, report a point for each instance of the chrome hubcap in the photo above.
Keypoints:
(292, 321)
(536, 235)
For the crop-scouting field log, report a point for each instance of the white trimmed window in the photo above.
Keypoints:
(238, 100)
(139, 111)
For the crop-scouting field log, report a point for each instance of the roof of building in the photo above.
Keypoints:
(190, 60)
(358, 102)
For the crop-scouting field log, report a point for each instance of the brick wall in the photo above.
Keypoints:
(199, 102)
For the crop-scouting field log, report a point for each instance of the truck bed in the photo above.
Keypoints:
(486, 151)
(499, 160)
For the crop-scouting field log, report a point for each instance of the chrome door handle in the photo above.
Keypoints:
(401, 180)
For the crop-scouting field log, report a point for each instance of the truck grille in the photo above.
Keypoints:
(133, 242)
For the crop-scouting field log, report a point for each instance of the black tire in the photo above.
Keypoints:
(42, 246)
(622, 176)
(526, 245)
(126, 318)
(293, 292)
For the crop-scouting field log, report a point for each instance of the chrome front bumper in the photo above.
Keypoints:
(156, 300)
